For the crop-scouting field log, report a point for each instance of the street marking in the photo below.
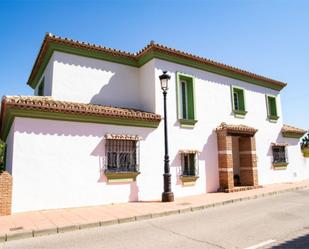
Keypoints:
(264, 243)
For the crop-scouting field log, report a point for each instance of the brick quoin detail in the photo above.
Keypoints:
(6, 181)
(247, 144)
(247, 161)
(226, 178)
(247, 156)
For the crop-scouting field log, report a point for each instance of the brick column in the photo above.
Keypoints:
(225, 157)
(247, 161)
(6, 181)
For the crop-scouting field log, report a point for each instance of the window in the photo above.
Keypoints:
(238, 101)
(184, 99)
(272, 107)
(189, 164)
(121, 155)
(279, 155)
(41, 88)
(185, 95)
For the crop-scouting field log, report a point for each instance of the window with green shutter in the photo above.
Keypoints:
(238, 101)
(185, 100)
(272, 107)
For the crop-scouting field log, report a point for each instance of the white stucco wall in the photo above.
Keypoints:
(59, 164)
(47, 76)
(88, 80)
(147, 87)
(213, 106)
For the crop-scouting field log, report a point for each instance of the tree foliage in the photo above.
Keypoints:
(305, 141)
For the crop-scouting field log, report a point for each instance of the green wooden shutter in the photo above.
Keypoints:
(184, 99)
(190, 100)
(240, 95)
(241, 99)
(272, 107)
(192, 165)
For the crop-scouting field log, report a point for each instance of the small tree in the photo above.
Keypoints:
(2, 155)
(305, 141)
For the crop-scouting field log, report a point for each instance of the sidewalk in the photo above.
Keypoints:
(38, 223)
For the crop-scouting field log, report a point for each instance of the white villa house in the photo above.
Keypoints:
(93, 132)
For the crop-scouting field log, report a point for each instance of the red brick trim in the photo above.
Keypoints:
(6, 182)
(247, 156)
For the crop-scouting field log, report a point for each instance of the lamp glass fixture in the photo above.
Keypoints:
(164, 80)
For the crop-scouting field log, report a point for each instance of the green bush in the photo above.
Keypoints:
(305, 142)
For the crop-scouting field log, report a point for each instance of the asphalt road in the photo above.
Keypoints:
(278, 221)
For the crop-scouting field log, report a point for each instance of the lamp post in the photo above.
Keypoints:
(167, 195)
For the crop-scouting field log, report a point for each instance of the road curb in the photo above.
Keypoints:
(74, 227)
(19, 235)
(43, 232)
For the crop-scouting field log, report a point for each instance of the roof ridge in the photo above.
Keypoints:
(135, 56)
(220, 64)
(60, 38)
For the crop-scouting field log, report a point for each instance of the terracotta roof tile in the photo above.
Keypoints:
(50, 105)
(123, 137)
(207, 61)
(292, 130)
(279, 144)
(238, 129)
(189, 151)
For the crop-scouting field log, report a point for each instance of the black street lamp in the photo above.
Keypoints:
(167, 195)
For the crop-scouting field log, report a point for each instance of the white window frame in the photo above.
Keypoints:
(196, 168)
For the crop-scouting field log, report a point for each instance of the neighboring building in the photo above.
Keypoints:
(68, 147)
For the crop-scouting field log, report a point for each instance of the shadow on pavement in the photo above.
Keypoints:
(301, 242)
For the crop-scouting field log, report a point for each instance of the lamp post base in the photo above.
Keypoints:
(167, 197)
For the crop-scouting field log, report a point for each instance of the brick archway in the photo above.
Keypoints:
(247, 155)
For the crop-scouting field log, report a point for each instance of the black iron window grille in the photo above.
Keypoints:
(122, 155)
(189, 164)
(279, 154)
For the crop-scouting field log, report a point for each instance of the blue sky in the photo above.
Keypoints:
(270, 38)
